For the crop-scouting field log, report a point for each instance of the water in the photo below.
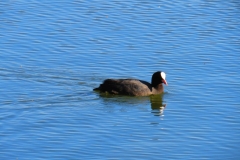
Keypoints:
(52, 54)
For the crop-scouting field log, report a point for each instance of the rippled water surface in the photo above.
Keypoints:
(53, 53)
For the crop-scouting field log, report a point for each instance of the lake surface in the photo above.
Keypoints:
(53, 53)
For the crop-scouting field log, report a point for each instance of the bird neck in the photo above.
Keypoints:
(156, 84)
(158, 88)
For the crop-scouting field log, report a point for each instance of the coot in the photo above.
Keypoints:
(134, 87)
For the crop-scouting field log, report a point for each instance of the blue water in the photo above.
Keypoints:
(52, 54)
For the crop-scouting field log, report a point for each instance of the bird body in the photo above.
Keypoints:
(134, 87)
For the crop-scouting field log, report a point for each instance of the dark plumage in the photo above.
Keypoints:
(134, 87)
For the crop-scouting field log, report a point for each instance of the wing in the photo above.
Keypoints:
(125, 87)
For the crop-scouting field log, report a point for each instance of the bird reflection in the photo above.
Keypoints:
(156, 101)
(157, 104)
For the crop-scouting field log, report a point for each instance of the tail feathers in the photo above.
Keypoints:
(110, 86)
(96, 89)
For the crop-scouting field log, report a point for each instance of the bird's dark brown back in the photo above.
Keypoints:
(125, 87)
